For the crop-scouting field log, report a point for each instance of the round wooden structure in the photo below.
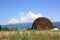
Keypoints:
(42, 23)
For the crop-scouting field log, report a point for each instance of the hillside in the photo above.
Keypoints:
(26, 25)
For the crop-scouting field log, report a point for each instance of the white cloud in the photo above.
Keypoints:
(29, 17)
(13, 21)
(25, 18)
(53, 19)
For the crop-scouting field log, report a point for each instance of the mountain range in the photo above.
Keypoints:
(27, 25)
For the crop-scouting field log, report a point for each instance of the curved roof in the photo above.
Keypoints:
(42, 23)
(40, 18)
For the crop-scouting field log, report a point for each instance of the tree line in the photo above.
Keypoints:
(8, 29)
(15, 28)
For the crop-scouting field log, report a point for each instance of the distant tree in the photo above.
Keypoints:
(29, 28)
(54, 26)
(14, 29)
(5, 29)
(0, 27)
(59, 27)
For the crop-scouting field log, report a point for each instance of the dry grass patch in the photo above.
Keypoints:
(29, 35)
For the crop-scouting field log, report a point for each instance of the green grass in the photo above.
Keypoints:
(32, 36)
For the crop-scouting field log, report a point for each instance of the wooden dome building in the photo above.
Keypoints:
(42, 23)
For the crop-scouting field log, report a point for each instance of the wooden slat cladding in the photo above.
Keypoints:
(42, 23)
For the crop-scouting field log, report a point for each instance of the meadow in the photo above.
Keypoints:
(30, 35)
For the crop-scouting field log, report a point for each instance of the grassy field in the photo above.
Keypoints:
(29, 35)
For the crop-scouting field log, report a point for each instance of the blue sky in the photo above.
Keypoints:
(16, 11)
